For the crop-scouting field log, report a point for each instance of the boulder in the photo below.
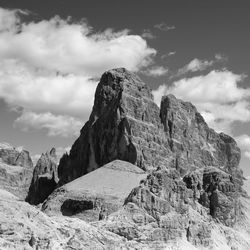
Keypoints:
(97, 194)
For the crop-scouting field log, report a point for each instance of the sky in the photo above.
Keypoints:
(52, 54)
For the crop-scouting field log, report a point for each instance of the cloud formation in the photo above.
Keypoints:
(244, 143)
(164, 27)
(171, 53)
(199, 65)
(216, 95)
(48, 67)
(56, 125)
(156, 71)
(147, 34)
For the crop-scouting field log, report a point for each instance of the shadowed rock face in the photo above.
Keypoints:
(44, 179)
(126, 124)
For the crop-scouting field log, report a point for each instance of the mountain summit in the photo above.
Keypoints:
(126, 124)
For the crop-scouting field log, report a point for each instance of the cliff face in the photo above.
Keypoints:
(44, 179)
(15, 170)
(126, 124)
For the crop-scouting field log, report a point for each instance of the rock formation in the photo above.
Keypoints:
(126, 124)
(152, 177)
(15, 157)
(44, 179)
(105, 188)
(193, 173)
(167, 207)
(15, 170)
(23, 227)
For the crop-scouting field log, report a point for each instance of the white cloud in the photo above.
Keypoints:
(196, 65)
(46, 91)
(199, 65)
(247, 154)
(164, 27)
(9, 20)
(48, 66)
(56, 125)
(216, 95)
(71, 48)
(156, 71)
(244, 143)
(171, 53)
(147, 34)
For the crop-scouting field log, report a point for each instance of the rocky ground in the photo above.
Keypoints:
(25, 227)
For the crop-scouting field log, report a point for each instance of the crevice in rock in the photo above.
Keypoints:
(71, 207)
(170, 128)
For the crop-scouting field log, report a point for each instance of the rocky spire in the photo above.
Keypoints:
(44, 178)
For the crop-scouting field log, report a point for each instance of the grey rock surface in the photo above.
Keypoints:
(104, 190)
(126, 124)
(15, 170)
(154, 178)
(44, 179)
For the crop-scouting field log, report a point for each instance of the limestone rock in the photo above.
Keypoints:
(15, 157)
(193, 143)
(44, 179)
(166, 208)
(15, 170)
(23, 226)
(144, 177)
(223, 199)
(101, 191)
(165, 198)
(126, 124)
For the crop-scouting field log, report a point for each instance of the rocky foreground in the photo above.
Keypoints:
(138, 177)
(26, 227)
